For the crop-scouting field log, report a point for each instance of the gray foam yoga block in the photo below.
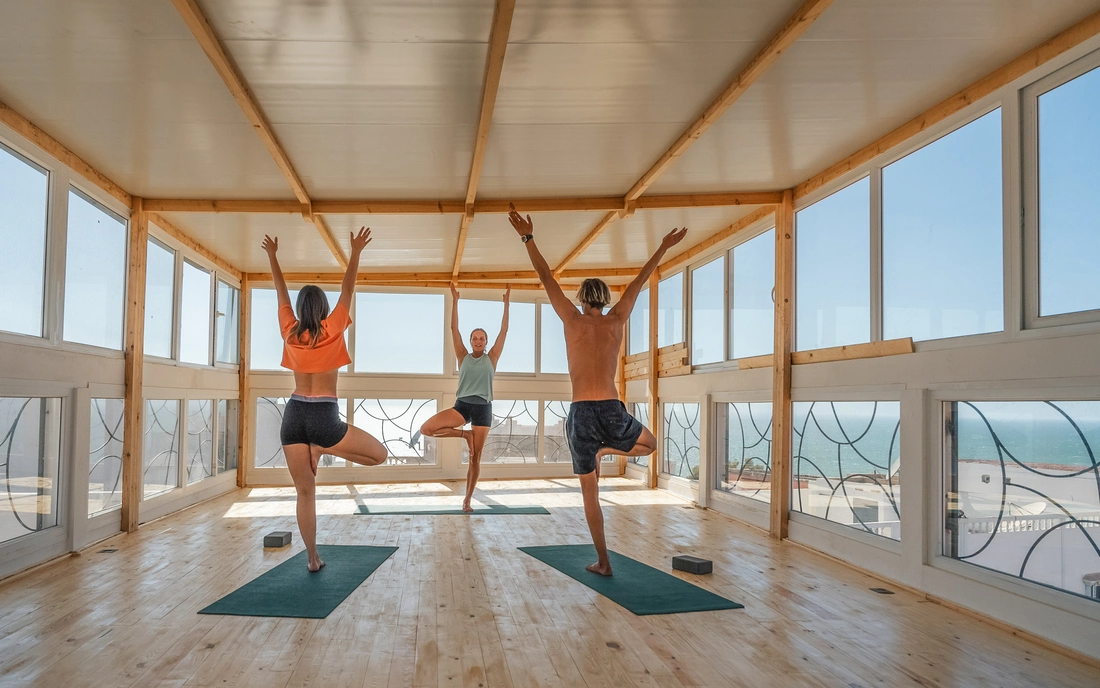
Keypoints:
(691, 564)
(277, 538)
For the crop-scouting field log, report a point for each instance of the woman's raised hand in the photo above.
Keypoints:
(270, 245)
(507, 293)
(454, 291)
(360, 240)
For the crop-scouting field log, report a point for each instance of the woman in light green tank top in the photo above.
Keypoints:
(474, 403)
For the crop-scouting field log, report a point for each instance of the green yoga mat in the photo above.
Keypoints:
(431, 509)
(291, 590)
(641, 589)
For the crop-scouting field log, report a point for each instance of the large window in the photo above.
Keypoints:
(670, 310)
(105, 456)
(160, 280)
(266, 342)
(95, 274)
(744, 461)
(752, 310)
(846, 459)
(552, 345)
(1069, 176)
(681, 441)
(942, 216)
(833, 263)
(519, 348)
(399, 333)
(1022, 492)
(161, 447)
(30, 442)
(227, 324)
(638, 340)
(24, 191)
(195, 305)
(708, 304)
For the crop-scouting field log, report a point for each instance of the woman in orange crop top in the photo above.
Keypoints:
(314, 348)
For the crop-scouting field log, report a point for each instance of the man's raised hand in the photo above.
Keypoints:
(270, 245)
(674, 237)
(523, 226)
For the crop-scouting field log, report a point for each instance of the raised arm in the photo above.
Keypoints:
(272, 247)
(561, 303)
(498, 345)
(456, 335)
(359, 241)
(623, 308)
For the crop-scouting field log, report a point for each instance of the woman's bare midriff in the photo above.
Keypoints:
(315, 384)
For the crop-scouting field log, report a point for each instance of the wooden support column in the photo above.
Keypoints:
(244, 385)
(134, 398)
(781, 370)
(655, 422)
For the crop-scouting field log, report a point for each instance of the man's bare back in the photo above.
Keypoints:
(592, 344)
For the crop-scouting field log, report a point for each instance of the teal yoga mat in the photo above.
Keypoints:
(291, 590)
(431, 509)
(641, 589)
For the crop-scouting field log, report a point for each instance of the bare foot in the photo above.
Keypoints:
(603, 570)
(315, 566)
(467, 508)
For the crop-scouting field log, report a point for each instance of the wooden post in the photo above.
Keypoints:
(134, 397)
(781, 367)
(655, 423)
(244, 385)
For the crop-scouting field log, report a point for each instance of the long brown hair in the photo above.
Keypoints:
(312, 309)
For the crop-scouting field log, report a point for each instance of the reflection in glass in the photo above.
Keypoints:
(744, 460)
(1023, 490)
(95, 274)
(266, 342)
(227, 323)
(200, 439)
(30, 442)
(846, 458)
(195, 315)
(833, 264)
(24, 188)
(752, 311)
(552, 349)
(519, 350)
(638, 340)
(396, 424)
(160, 279)
(513, 436)
(162, 444)
(228, 434)
(670, 310)
(399, 333)
(681, 441)
(708, 302)
(942, 228)
(105, 456)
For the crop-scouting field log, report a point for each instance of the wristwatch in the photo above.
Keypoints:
(526, 237)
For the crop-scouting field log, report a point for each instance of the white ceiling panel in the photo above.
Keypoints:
(863, 69)
(492, 243)
(402, 242)
(125, 86)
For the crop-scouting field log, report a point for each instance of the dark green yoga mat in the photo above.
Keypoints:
(641, 589)
(431, 509)
(291, 590)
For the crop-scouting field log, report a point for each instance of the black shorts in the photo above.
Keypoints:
(315, 421)
(475, 411)
(592, 425)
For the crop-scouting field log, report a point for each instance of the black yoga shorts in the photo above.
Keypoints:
(312, 420)
(592, 425)
(475, 411)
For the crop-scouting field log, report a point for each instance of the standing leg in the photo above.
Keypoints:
(299, 459)
(590, 493)
(478, 434)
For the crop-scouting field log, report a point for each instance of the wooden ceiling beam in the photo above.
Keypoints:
(500, 275)
(806, 15)
(494, 65)
(188, 241)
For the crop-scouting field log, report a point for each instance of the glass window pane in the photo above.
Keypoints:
(942, 219)
(670, 310)
(519, 348)
(30, 443)
(552, 344)
(638, 340)
(160, 279)
(195, 316)
(556, 447)
(266, 342)
(396, 424)
(105, 456)
(708, 302)
(24, 195)
(399, 333)
(200, 439)
(95, 275)
(641, 412)
(513, 436)
(162, 446)
(1022, 494)
(227, 323)
(833, 265)
(752, 310)
(744, 458)
(681, 441)
(846, 462)
(1069, 172)
(228, 434)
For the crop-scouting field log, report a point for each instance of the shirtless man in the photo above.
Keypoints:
(598, 423)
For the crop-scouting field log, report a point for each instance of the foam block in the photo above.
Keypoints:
(691, 564)
(277, 538)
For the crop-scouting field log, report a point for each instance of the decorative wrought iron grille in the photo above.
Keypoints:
(396, 423)
(200, 439)
(556, 446)
(744, 460)
(513, 436)
(681, 441)
(161, 444)
(30, 439)
(641, 412)
(105, 456)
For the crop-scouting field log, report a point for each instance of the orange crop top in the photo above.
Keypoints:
(330, 353)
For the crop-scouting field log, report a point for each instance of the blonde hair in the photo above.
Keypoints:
(594, 293)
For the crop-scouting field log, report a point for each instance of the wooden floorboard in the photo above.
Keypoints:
(459, 605)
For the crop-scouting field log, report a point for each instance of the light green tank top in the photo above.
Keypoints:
(475, 377)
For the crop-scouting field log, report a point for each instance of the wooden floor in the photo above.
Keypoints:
(458, 605)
